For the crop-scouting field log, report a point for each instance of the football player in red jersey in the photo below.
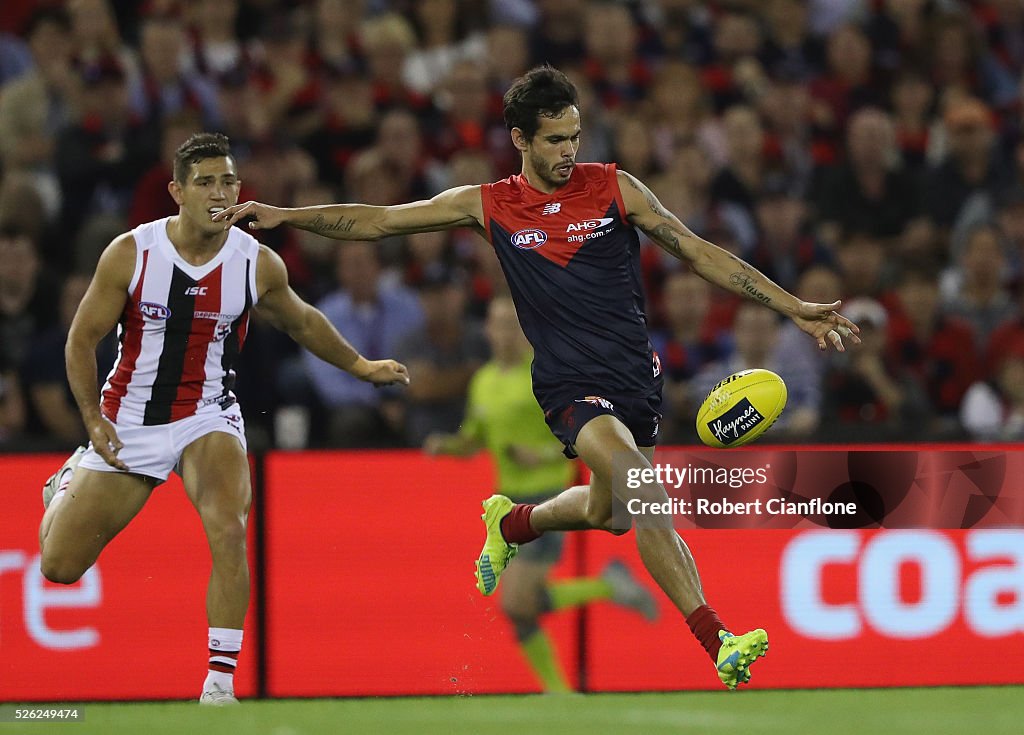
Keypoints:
(179, 290)
(565, 234)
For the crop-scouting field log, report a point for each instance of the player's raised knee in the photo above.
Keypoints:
(61, 571)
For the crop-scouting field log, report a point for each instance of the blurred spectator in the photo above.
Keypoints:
(741, 179)
(848, 84)
(216, 49)
(869, 191)
(994, 410)
(15, 58)
(335, 32)
(557, 37)
(959, 61)
(35, 106)
(973, 164)
(443, 41)
(785, 245)
(789, 43)
(12, 404)
(396, 168)
(151, 200)
(865, 396)
(53, 415)
(734, 75)
(387, 41)
(756, 339)
(507, 55)
(685, 346)
(934, 349)
(471, 117)
(821, 285)
(312, 261)
(289, 91)
(912, 100)
(442, 356)
(96, 35)
(375, 317)
(27, 303)
(164, 88)
(620, 77)
(101, 157)
(977, 287)
(349, 122)
(678, 110)
(862, 265)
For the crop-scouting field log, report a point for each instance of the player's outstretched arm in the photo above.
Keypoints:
(98, 313)
(724, 269)
(280, 305)
(458, 207)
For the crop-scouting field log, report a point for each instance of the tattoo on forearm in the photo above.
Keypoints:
(668, 239)
(749, 286)
(321, 226)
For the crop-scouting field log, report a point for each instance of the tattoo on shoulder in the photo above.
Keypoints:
(321, 225)
(748, 284)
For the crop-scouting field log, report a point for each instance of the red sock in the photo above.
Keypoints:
(704, 624)
(515, 527)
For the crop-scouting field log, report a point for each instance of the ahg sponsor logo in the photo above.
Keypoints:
(590, 224)
(529, 239)
(151, 310)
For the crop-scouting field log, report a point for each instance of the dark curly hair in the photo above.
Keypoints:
(198, 148)
(541, 91)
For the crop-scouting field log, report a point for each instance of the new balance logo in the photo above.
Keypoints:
(196, 291)
(552, 208)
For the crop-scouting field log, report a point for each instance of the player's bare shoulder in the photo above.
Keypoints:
(465, 205)
(117, 263)
(271, 271)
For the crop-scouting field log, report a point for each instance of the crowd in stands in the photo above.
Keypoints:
(871, 150)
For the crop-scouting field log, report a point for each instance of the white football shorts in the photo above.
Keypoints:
(154, 451)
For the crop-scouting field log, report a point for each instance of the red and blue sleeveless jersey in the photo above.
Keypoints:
(572, 262)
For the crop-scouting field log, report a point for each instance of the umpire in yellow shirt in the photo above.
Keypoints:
(503, 416)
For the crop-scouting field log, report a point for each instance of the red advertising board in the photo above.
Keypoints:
(842, 609)
(370, 591)
(370, 579)
(133, 628)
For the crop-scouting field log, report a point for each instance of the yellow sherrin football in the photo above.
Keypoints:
(741, 408)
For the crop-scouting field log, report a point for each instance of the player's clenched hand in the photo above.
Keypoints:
(384, 372)
(264, 217)
(105, 442)
(826, 325)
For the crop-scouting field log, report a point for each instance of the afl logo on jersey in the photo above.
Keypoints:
(154, 311)
(529, 239)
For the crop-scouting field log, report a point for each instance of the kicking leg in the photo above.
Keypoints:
(215, 470)
(608, 448)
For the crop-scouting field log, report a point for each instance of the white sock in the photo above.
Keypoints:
(224, 645)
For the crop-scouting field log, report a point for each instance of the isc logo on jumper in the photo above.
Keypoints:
(196, 291)
(590, 224)
(529, 239)
(154, 311)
